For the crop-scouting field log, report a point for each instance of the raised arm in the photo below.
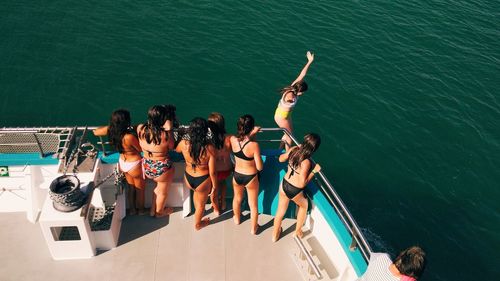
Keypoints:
(310, 58)
(253, 134)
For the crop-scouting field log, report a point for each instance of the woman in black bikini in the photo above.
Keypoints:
(300, 172)
(200, 174)
(156, 139)
(248, 165)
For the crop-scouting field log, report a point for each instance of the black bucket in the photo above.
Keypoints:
(66, 194)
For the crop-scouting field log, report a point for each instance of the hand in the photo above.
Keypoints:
(310, 56)
(254, 131)
(317, 168)
(168, 125)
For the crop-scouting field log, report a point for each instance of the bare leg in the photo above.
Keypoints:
(253, 194)
(161, 193)
(214, 198)
(237, 199)
(286, 124)
(223, 189)
(139, 184)
(131, 194)
(200, 197)
(280, 213)
(301, 201)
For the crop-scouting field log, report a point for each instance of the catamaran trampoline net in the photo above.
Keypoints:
(33, 142)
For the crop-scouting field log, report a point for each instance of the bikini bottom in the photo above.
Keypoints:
(243, 179)
(127, 166)
(194, 182)
(155, 168)
(290, 190)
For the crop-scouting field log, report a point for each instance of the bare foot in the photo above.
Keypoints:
(204, 222)
(299, 233)
(166, 211)
(216, 209)
(236, 220)
(276, 238)
(255, 230)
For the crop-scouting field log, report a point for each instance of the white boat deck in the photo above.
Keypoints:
(156, 249)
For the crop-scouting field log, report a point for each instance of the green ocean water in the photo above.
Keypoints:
(404, 94)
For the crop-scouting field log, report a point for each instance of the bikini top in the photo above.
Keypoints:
(288, 105)
(240, 153)
(194, 165)
(295, 171)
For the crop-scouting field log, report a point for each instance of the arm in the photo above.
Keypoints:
(254, 132)
(171, 142)
(139, 129)
(258, 159)
(168, 125)
(133, 142)
(101, 131)
(313, 172)
(310, 58)
(284, 157)
(178, 149)
(211, 167)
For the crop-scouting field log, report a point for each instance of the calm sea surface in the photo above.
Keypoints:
(404, 94)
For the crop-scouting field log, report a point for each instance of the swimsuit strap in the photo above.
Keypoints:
(241, 147)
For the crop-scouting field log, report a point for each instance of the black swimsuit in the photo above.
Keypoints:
(194, 182)
(240, 153)
(239, 178)
(289, 189)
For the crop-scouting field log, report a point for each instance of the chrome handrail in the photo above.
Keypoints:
(341, 209)
(308, 256)
(329, 191)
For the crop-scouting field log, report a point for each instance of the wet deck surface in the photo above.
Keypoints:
(156, 249)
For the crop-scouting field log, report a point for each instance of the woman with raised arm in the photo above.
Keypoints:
(248, 164)
(200, 174)
(223, 164)
(122, 137)
(156, 139)
(288, 100)
(300, 172)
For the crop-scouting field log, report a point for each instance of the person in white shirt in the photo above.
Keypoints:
(408, 266)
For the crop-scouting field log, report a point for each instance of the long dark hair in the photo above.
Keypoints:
(306, 149)
(198, 130)
(217, 125)
(153, 129)
(171, 115)
(299, 87)
(119, 125)
(245, 125)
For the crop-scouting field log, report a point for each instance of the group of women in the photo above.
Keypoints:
(206, 149)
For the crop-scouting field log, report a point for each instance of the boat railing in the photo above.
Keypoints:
(33, 140)
(358, 239)
(42, 140)
(304, 254)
